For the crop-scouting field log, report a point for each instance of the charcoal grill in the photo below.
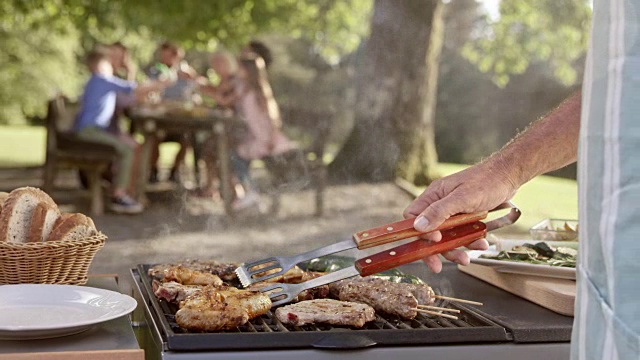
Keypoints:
(162, 338)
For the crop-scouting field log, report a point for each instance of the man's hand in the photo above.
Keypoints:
(478, 188)
(548, 144)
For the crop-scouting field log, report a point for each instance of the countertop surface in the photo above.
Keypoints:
(115, 334)
(526, 321)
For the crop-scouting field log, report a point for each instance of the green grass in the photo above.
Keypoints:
(541, 198)
(25, 146)
(22, 146)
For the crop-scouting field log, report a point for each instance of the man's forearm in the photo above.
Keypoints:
(548, 144)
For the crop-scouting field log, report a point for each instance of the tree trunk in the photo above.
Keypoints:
(396, 83)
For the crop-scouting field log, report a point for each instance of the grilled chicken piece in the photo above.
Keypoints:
(226, 271)
(255, 303)
(186, 276)
(329, 311)
(213, 309)
(207, 311)
(174, 292)
(399, 299)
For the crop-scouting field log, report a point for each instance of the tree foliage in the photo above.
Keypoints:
(44, 41)
(336, 26)
(555, 32)
(38, 57)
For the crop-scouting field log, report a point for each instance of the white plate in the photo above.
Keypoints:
(33, 311)
(514, 267)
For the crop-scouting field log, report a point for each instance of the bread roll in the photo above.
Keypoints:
(17, 212)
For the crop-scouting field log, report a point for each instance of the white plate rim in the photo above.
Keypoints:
(128, 305)
(515, 267)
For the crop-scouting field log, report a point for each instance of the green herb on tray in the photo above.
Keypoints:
(540, 253)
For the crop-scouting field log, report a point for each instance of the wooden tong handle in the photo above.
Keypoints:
(404, 229)
(419, 249)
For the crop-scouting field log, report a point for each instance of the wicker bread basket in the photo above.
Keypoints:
(53, 262)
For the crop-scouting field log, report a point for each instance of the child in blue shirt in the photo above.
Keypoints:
(97, 108)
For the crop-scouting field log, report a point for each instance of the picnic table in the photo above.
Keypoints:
(155, 120)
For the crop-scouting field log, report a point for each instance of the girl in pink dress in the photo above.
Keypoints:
(257, 106)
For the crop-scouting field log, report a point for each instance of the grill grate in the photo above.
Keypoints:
(267, 332)
(269, 323)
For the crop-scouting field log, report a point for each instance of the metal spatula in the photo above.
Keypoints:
(264, 269)
(452, 238)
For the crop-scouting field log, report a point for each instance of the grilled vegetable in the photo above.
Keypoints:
(540, 253)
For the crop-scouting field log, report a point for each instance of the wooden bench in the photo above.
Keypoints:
(65, 150)
(304, 167)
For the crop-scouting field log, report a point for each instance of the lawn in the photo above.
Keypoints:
(26, 146)
(543, 197)
(22, 146)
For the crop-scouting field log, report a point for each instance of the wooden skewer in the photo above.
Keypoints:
(436, 314)
(458, 300)
(429, 307)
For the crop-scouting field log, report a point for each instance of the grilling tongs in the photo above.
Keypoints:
(459, 230)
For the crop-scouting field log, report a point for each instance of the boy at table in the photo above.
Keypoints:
(92, 123)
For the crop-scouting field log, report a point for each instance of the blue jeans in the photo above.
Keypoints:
(241, 168)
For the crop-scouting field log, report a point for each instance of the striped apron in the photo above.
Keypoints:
(607, 317)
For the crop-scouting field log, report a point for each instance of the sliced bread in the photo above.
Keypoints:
(91, 224)
(72, 227)
(42, 222)
(18, 208)
(3, 197)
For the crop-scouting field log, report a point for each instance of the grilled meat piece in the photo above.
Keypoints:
(423, 293)
(329, 311)
(213, 309)
(399, 299)
(187, 276)
(320, 292)
(226, 271)
(174, 292)
(294, 275)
